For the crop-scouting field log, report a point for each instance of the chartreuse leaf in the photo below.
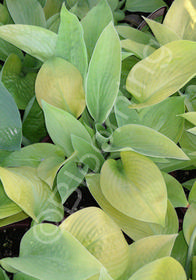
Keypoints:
(185, 11)
(94, 23)
(162, 73)
(26, 12)
(139, 197)
(164, 268)
(3, 275)
(52, 251)
(175, 191)
(36, 41)
(59, 83)
(34, 196)
(10, 125)
(87, 153)
(147, 250)
(189, 223)
(192, 194)
(103, 76)
(144, 140)
(180, 249)
(4, 15)
(61, 126)
(32, 155)
(22, 87)
(70, 43)
(141, 6)
(98, 232)
(163, 33)
(13, 219)
(134, 228)
(190, 116)
(69, 177)
(104, 275)
(7, 206)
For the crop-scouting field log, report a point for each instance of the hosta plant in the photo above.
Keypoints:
(119, 107)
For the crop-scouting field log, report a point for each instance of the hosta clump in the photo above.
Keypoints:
(121, 116)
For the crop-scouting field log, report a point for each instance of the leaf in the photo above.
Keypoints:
(13, 219)
(189, 222)
(180, 249)
(7, 206)
(192, 194)
(162, 32)
(52, 7)
(97, 232)
(134, 228)
(190, 116)
(175, 192)
(162, 73)
(164, 268)
(33, 127)
(194, 268)
(32, 155)
(143, 198)
(147, 250)
(3, 275)
(10, 125)
(36, 41)
(103, 76)
(21, 87)
(26, 12)
(144, 140)
(22, 185)
(185, 11)
(53, 23)
(22, 276)
(141, 6)
(6, 49)
(61, 126)
(52, 252)
(87, 153)
(70, 43)
(94, 23)
(188, 140)
(69, 178)
(60, 84)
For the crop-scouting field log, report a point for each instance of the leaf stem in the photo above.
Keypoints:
(190, 253)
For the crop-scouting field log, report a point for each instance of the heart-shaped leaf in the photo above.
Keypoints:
(103, 76)
(144, 140)
(36, 41)
(10, 125)
(70, 43)
(60, 84)
(97, 232)
(22, 185)
(134, 228)
(135, 187)
(61, 126)
(162, 73)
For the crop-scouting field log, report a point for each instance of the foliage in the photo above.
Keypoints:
(119, 107)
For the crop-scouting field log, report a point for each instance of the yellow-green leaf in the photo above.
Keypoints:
(189, 223)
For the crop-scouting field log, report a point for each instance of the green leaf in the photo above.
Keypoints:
(69, 178)
(52, 7)
(163, 33)
(42, 2)
(180, 249)
(36, 41)
(33, 126)
(190, 116)
(175, 192)
(4, 14)
(194, 268)
(22, 185)
(3, 275)
(162, 73)
(53, 23)
(22, 87)
(70, 43)
(87, 153)
(6, 49)
(147, 250)
(189, 222)
(94, 23)
(143, 198)
(188, 140)
(164, 268)
(61, 126)
(144, 140)
(46, 251)
(10, 125)
(98, 232)
(60, 84)
(13, 219)
(26, 12)
(134, 228)
(7, 206)
(103, 77)
(32, 155)
(22, 276)
(192, 194)
(141, 6)
(181, 19)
